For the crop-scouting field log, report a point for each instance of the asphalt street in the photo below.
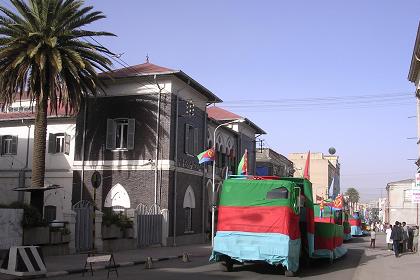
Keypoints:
(200, 268)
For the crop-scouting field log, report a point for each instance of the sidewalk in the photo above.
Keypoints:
(381, 264)
(69, 264)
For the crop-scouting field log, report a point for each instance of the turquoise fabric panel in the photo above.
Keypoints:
(273, 248)
(347, 236)
(311, 244)
(339, 252)
(323, 254)
(356, 231)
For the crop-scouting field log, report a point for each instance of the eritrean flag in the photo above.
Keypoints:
(243, 164)
(206, 156)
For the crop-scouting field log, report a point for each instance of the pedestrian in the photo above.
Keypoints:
(410, 239)
(372, 238)
(416, 239)
(388, 237)
(396, 236)
(405, 237)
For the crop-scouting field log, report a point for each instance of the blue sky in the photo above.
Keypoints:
(271, 50)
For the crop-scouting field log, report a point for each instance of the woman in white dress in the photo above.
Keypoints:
(388, 237)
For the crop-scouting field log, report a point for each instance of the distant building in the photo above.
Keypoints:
(400, 208)
(271, 163)
(323, 169)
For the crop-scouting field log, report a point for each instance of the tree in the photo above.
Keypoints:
(43, 57)
(353, 195)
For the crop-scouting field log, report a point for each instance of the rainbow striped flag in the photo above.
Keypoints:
(243, 164)
(207, 155)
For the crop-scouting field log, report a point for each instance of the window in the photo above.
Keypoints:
(120, 134)
(278, 194)
(188, 205)
(50, 212)
(59, 143)
(188, 219)
(191, 140)
(8, 144)
(407, 195)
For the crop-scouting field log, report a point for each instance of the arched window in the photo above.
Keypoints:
(188, 205)
(117, 198)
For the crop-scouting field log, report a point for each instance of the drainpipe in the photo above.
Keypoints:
(176, 168)
(157, 139)
(83, 148)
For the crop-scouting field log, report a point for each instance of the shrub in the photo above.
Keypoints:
(114, 218)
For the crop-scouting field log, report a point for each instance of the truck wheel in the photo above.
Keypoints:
(226, 266)
(289, 273)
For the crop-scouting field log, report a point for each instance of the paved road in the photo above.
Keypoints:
(200, 268)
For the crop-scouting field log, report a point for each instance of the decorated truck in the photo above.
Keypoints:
(332, 211)
(271, 220)
(356, 224)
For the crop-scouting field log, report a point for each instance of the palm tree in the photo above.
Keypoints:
(353, 195)
(44, 57)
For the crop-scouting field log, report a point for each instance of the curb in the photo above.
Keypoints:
(121, 264)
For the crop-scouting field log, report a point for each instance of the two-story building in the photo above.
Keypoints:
(16, 140)
(142, 135)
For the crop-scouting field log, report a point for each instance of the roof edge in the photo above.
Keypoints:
(415, 63)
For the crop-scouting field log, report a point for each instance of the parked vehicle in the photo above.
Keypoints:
(356, 224)
(268, 219)
(332, 211)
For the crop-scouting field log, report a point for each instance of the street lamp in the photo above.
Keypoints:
(213, 206)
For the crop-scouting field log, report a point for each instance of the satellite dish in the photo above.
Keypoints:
(331, 150)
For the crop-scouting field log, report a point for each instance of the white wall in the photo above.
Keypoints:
(58, 166)
(400, 209)
(137, 86)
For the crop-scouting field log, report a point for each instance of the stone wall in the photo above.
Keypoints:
(11, 231)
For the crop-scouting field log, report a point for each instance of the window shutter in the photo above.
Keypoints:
(195, 141)
(51, 143)
(14, 145)
(110, 134)
(1, 145)
(186, 138)
(67, 139)
(131, 133)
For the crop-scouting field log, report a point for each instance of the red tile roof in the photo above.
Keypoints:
(220, 114)
(61, 112)
(136, 70)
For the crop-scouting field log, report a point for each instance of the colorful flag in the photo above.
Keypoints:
(306, 171)
(243, 164)
(206, 156)
(338, 202)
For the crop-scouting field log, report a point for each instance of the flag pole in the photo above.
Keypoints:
(213, 202)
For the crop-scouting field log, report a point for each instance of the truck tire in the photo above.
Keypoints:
(289, 273)
(226, 266)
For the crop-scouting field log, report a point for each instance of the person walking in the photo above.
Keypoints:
(410, 239)
(405, 237)
(372, 238)
(388, 237)
(416, 239)
(396, 236)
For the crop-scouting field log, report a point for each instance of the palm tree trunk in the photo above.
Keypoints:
(38, 160)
